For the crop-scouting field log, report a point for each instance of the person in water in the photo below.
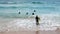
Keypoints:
(32, 13)
(37, 20)
(19, 13)
(34, 10)
(27, 13)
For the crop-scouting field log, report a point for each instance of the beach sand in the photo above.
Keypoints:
(57, 31)
(32, 32)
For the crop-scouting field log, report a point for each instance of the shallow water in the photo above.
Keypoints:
(10, 20)
(29, 24)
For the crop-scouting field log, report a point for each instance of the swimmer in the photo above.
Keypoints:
(32, 13)
(19, 13)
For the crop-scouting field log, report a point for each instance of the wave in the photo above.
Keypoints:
(48, 22)
(28, 7)
(16, 15)
(37, 3)
(7, 2)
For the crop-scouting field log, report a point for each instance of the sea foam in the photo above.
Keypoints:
(50, 22)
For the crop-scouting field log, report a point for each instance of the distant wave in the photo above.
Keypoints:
(5, 2)
(37, 2)
(27, 7)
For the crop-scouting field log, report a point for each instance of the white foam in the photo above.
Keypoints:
(46, 23)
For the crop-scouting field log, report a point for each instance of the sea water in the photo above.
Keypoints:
(10, 18)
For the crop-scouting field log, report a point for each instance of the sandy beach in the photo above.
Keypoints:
(17, 26)
(32, 32)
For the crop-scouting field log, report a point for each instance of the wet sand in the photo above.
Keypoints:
(57, 31)
(32, 32)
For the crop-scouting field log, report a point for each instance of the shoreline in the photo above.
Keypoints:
(57, 31)
(16, 22)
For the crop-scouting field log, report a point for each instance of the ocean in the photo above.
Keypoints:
(10, 18)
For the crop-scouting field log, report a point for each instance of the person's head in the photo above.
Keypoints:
(34, 10)
(27, 13)
(32, 13)
(19, 12)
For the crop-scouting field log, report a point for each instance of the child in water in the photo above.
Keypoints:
(37, 20)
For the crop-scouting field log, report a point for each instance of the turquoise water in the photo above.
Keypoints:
(47, 11)
(11, 10)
